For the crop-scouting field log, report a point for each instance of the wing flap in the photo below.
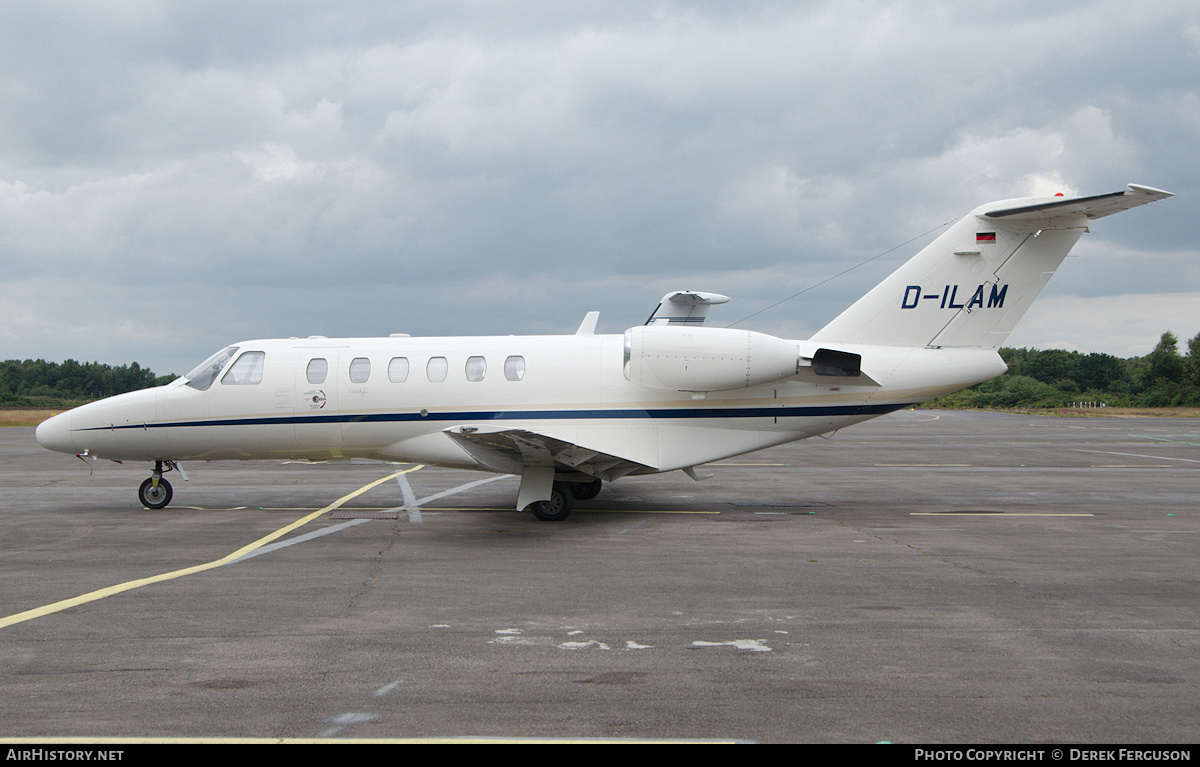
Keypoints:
(510, 450)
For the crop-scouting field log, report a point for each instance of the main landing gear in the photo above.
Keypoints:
(586, 491)
(155, 492)
(562, 499)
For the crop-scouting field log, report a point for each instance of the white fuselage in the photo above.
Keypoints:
(571, 388)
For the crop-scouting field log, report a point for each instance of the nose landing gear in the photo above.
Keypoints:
(155, 492)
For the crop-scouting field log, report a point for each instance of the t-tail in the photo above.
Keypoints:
(970, 286)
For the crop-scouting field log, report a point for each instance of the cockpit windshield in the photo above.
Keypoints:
(202, 376)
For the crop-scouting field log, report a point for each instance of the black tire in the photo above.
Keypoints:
(586, 491)
(558, 508)
(152, 497)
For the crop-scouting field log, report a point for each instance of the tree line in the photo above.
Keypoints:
(38, 383)
(1051, 378)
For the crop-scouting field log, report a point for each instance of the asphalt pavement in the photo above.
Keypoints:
(927, 577)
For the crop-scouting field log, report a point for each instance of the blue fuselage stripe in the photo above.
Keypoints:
(813, 411)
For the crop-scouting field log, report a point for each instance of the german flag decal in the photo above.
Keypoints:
(982, 237)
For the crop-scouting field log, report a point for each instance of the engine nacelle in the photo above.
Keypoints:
(706, 359)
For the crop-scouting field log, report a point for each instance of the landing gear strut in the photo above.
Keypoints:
(155, 492)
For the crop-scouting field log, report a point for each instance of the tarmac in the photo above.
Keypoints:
(926, 577)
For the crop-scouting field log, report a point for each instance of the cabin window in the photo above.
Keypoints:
(436, 369)
(317, 369)
(360, 370)
(398, 370)
(202, 376)
(476, 368)
(514, 368)
(247, 370)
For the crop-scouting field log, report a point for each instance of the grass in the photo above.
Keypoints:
(18, 416)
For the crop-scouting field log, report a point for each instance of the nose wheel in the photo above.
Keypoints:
(155, 492)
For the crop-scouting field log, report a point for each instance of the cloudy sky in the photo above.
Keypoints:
(176, 176)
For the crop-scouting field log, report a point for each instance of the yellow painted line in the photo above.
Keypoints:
(926, 465)
(274, 508)
(576, 511)
(997, 514)
(120, 588)
(449, 508)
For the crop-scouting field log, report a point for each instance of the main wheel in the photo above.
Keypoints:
(558, 507)
(586, 491)
(155, 497)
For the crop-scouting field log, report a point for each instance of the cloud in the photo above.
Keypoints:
(1126, 325)
(283, 169)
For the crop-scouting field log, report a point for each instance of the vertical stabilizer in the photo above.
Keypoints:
(970, 286)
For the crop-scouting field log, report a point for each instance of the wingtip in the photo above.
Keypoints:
(1142, 189)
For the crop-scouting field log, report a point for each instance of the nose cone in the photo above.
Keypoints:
(55, 434)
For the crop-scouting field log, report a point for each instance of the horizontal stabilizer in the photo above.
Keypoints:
(1098, 206)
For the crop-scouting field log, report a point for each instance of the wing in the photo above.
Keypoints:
(511, 450)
